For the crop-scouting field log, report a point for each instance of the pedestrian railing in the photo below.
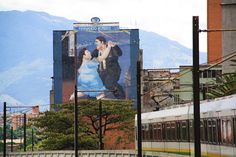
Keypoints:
(82, 153)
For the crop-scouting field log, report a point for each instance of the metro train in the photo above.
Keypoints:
(170, 132)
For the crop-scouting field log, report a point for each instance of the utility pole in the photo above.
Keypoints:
(204, 90)
(76, 123)
(139, 111)
(11, 139)
(196, 89)
(100, 125)
(76, 104)
(32, 140)
(24, 132)
(4, 129)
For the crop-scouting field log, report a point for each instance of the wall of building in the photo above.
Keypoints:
(18, 118)
(207, 81)
(229, 37)
(156, 84)
(214, 21)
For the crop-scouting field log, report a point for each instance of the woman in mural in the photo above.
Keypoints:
(88, 78)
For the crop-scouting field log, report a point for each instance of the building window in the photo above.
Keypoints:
(209, 73)
(176, 98)
(213, 74)
(205, 74)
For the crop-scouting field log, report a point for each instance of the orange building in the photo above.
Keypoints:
(18, 118)
(214, 39)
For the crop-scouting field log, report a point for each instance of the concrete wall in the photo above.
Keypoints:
(84, 153)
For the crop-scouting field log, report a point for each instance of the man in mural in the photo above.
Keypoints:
(109, 69)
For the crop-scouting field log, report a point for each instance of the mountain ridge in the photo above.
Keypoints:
(26, 46)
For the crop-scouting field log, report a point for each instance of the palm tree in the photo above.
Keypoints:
(226, 85)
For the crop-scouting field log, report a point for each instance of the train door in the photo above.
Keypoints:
(212, 132)
(185, 145)
(227, 134)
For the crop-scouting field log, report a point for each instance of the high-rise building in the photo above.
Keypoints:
(18, 118)
(221, 15)
(228, 37)
(214, 39)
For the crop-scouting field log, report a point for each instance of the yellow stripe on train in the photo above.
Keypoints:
(182, 151)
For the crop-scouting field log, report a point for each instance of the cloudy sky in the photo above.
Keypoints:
(170, 18)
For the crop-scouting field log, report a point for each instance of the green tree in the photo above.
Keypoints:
(226, 85)
(56, 131)
(116, 116)
(1, 146)
(8, 132)
(56, 128)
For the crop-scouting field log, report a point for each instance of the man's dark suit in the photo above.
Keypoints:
(110, 74)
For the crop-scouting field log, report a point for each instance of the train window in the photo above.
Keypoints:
(147, 135)
(223, 131)
(159, 132)
(143, 132)
(163, 132)
(234, 132)
(205, 130)
(150, 131)
(187, 122)
(214, 132)
(173, 131)
(209, 131)
(168, 133)
(230, 131)
(219, 131)
(226, 131)
(184, 131)
(155, 132)
(178, 131)
(191, 130)
(202, 135)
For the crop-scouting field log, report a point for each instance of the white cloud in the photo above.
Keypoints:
(171, 18)
(10, 100)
